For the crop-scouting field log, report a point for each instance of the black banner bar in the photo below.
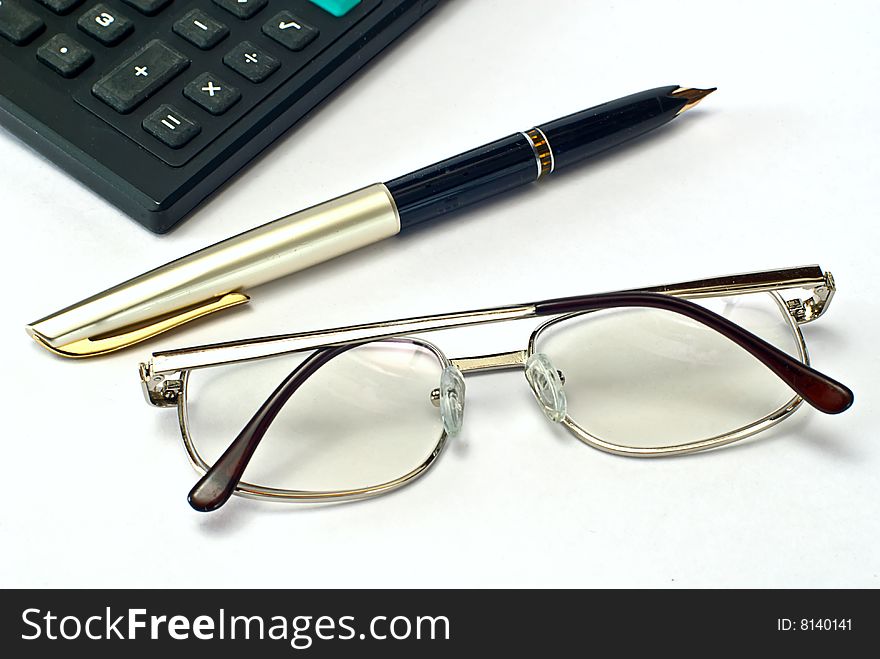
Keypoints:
(314, 623)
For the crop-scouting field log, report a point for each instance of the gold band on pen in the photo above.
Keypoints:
(543, 151)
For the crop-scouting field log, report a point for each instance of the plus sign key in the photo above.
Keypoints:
(140, 76)
(212, 93)
(253, 63)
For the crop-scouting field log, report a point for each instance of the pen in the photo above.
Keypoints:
(217, 277)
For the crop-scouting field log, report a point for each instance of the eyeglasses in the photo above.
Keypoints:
(358, 411)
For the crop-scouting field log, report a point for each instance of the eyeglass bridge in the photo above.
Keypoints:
(496, 362)
(501, 361)
(482, 363)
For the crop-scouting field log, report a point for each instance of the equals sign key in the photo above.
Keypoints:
(171, 127)
(171, 122)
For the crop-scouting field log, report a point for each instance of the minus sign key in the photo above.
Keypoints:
(200, 29)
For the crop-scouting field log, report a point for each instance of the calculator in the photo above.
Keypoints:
(156, 103)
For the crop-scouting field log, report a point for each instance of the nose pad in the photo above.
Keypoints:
(547, 385)
(452, 399)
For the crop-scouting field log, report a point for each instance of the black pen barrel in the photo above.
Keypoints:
(522, 158)
(587, 133)
(464, 179)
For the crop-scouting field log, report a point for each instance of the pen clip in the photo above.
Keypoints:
(101, 345)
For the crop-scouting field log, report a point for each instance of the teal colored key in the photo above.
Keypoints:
(337, 7)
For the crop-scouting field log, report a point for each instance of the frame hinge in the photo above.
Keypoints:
(160, 390)
(804, 311)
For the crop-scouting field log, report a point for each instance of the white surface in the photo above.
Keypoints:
(778, 168)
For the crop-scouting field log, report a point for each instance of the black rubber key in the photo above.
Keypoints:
(212, 93)
(243, 9)
(106, 25)
(254, 64)
(140, 76)
(200, 29)
(171, 126)
(148, 7)
(64, 55)
(60, 6)
(290, 31)
(18, 24)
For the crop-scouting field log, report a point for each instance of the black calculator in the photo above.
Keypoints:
(156, 103)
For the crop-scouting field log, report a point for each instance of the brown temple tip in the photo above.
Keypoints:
(823, 393)
(845, 400)
(209, 495)
(692, 95)
(218, 484)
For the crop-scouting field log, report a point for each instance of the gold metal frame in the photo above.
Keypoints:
(252, 491)
(164, 378)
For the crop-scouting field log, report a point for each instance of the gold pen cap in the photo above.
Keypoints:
(216, 277)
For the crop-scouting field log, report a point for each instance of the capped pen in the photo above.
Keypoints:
(217, 277)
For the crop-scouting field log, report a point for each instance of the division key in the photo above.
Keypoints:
(140, 76)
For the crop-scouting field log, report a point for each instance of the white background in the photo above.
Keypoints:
(778, 168)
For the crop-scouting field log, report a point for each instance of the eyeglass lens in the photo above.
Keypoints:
(367, 417)
(649, 378)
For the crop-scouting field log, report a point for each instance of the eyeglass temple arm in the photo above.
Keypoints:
(810, 277)
(220, 481)
(819, 390)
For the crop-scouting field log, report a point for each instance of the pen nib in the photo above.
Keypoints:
(692, 95)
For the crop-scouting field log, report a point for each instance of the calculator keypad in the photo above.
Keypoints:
(173, 75)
